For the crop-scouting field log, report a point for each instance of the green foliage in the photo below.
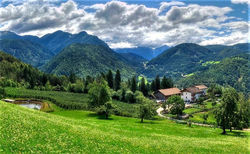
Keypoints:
(166, 83)
(147, 109)
(177, 104)
(117, 80)
(129, 97)
(133, 84)
(110, 79)
(106, 109)
(226, 113)
(143, 87)
(157, 82)
(99, 93)
(2, 93)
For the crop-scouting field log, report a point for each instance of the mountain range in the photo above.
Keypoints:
(187, 58)
(61, 52)
(145, 52)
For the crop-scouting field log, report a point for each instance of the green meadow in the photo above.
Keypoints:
(24, 130)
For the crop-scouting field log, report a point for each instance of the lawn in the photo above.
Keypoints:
(69, 100)
(25, 130)
(198, 117)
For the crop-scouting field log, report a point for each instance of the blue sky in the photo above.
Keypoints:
(132, 23)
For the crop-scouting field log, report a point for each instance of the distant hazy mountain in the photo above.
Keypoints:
(11, 35)
(145, 52)
(86, 60)
(188, 57)
(28, 52)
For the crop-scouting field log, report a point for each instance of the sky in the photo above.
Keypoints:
(130, 23)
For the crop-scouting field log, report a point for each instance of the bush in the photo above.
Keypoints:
(129, 96)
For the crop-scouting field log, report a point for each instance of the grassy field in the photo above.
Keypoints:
(24, 130)
(68, 99)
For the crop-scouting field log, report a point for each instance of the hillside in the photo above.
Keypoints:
(30, 131)
(145, 52)
(28, 52)
(134, 60)
(230, 71)
(86, 60)
(14, 69)
(187, 58)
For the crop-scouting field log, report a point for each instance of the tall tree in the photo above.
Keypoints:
(227, 112)
(152, 86)
(164, 83)
(99, 93)
(147, 109)
(117, 80)
(157, 82)
(110, 79)
(72, 77)
(143, 87)
(133, 84)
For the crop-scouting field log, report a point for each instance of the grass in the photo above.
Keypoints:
(198, 117)
(191, 110)
(66, 98)
(24, 130)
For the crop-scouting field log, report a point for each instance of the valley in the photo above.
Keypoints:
(124, 76)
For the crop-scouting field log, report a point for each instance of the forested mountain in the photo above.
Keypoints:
(145, 52)
(187, 58)
(28, 52)
(86, 60)
(12, 69)
(230, 71)
(58, 40)
(134, 60)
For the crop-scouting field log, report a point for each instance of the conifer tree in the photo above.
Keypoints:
(110, 79)
(133, 84)
(143, 87)
(157, 82)
(117, 80)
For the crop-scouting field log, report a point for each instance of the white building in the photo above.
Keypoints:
(191, 94)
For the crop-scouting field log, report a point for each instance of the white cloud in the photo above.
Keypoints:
(241, 2)
(165, 5)
(127, 25)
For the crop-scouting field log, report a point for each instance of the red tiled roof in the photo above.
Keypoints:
(201, 87)
(170, 91)
(192, 90)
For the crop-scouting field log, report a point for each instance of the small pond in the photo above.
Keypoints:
(32, 106)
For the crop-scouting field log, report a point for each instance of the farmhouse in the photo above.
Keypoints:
(163, 94)
(191, 94)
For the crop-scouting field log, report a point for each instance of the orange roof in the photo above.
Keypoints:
(193, 90)
(201, 87)
(170, 91)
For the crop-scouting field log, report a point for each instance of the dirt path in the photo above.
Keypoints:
(160, 109)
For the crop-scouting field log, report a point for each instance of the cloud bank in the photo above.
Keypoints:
(128, 25)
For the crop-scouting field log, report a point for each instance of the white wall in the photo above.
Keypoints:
(186, 96)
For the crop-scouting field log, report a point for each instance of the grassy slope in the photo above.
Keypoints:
(26, 130)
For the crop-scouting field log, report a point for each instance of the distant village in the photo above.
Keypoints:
(189, 95)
